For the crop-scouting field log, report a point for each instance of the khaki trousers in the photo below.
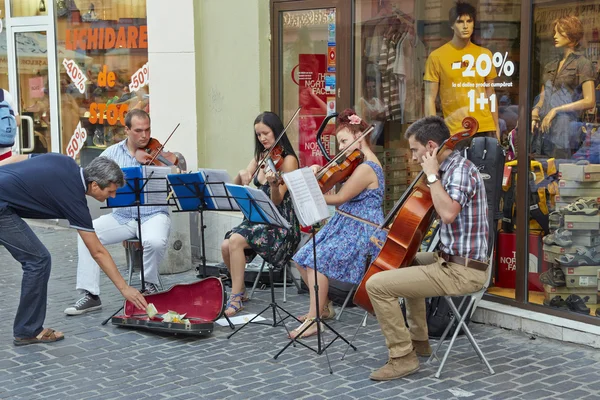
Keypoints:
(429, 276)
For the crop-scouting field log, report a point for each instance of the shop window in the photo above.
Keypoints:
(102, 48)
(564, 144)
(309, 79)
(30, 8)
(409, 65)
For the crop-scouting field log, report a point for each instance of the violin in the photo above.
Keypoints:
(336, 171)
(410, 217)
(331, 176)
(159, 157)
(275, 158)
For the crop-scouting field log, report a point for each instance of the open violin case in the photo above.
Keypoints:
(202, 303)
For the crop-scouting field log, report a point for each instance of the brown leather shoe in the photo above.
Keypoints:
(397, 368)
(422, 348)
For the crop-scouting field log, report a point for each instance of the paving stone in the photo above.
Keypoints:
(100, 362)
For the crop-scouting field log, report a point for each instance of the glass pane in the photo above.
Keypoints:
(565, 132)
(3, 49)
(103, 72)
(32, 8)
(308, 74)
(409, 64)
(32, 78)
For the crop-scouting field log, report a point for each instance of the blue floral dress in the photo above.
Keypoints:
(344, 243)
(275, 245)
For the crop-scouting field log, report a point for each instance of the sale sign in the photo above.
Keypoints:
(77, 141)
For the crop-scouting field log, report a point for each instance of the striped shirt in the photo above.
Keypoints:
(120, 154)
(467, 235)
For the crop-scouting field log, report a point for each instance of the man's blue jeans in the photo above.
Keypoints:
(18, 238)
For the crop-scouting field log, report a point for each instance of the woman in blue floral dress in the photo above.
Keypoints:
(245, 241)
(344, 242)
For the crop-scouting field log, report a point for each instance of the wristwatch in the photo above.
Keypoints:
(431, 179)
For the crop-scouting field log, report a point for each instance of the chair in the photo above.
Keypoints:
(475, 298)
(132, 246)
(304, 238)
(285, 284)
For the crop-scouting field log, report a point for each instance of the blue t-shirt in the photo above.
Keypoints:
(44, 187)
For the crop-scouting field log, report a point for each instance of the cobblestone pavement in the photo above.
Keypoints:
(106, 362)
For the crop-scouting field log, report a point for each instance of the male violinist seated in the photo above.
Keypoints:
(121, 224)
(458, 267)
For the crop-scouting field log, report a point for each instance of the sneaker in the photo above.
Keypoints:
(557, 302)
(151, 288)
(577, 304)
(85, 304)
(554, 277)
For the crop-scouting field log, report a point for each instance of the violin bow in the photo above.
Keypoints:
(275, 144)
(338, 156)
(163, 145)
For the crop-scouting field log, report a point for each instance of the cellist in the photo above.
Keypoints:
(458, 267)
(343, 243)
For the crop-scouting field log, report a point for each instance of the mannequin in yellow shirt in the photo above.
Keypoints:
(453, 83)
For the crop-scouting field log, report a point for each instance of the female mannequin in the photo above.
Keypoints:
(568, 90)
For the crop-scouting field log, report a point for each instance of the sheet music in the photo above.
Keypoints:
(156, 185)
(309, 202)
(221, 202)
(267, 211)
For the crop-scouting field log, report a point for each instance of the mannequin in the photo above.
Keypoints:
(568, 89)
(440, 78)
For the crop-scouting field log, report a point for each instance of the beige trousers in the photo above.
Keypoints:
(429, 276)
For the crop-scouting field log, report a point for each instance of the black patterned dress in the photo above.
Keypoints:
(274, 244)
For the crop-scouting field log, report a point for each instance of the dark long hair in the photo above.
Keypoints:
(271, 120)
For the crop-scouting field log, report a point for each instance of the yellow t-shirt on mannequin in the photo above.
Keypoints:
(456, 78)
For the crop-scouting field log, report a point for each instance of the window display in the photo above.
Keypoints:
(103, 56)
(415, 59)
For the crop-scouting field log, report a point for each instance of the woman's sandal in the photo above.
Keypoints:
(327, 313)
(296, 332)
(235, 298)
(47, 335)
(581, 207)
(583, 256)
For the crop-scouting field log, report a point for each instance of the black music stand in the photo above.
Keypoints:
(196, 192)
(307, 199)
(131, 195)
(261, 211)
(193, 193)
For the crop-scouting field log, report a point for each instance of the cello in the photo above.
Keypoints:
(410, 217)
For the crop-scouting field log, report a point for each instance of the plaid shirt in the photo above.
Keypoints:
(467, 235)
(120, 154)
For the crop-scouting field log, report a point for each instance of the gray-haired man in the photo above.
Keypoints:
(52, 186)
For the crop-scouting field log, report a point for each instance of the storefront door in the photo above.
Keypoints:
(33, 84)
(310, 72)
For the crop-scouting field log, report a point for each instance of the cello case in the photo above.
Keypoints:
(411, 217)
(202, 302)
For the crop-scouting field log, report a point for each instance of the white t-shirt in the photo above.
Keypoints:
(10, 100)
